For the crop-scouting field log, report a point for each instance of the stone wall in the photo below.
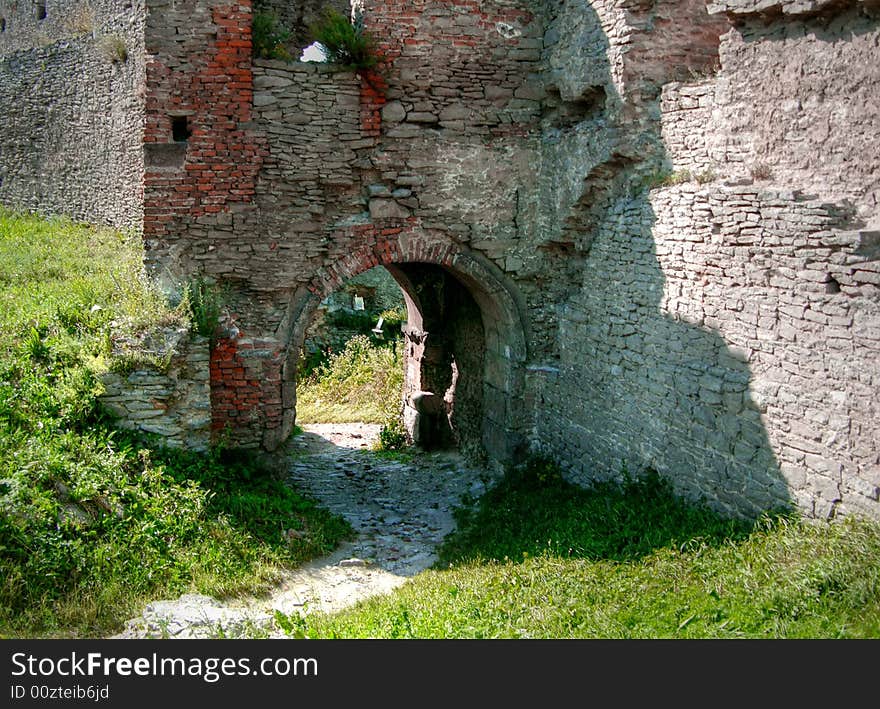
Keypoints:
(201, 158)
(72, 109)
(340, 172)
(700, 329)
(172, 401)
(726, 330)
(661, 222)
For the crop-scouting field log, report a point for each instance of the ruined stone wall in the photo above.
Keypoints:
(201, 158)
(726, 330)
(666, 219)
(172, 401)
(350, 170)
(699, 329)
(72, 109)
(429, 142)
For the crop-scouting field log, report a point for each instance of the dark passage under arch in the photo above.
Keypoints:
(464, 350)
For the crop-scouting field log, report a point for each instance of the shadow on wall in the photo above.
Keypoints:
(643, 383)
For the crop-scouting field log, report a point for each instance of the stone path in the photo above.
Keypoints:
(399, 511)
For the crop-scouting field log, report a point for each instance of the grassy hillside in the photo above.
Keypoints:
(93, 523)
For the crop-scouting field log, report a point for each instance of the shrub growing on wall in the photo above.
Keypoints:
(344, 41)
(269, 37)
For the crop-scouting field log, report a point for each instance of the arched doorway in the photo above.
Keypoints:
(465, 346)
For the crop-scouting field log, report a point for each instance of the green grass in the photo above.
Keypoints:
(269, 36)
(363, 382)
(539, 558)
(94, 524)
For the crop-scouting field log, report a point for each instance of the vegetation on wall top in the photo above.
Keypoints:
(345, 41)
(269, 37)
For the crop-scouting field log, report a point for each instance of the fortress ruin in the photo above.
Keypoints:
(646, 233)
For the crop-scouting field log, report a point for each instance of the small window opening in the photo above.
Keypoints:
(41, 10)
(180, 131)
(315, 52)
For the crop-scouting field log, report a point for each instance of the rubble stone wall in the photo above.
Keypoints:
(172, 401)
(72, 109)
(726, 330)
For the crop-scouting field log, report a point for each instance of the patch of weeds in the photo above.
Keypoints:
(113, 47)
(533, 510)
(269, 37)
(293, 625)
(392, 435)
(666, 178)
(363, 382)
(345, 42)
(258, 502)
(760, 171)
(124, 363)
(80, 19)
(205, 301)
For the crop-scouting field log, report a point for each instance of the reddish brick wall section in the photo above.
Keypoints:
(203, 73)
(373, 98)
(199, 67)
(246, 388)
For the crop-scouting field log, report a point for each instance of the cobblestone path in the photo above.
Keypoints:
(400, 512)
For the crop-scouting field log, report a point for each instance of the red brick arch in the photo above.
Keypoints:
(505, 342)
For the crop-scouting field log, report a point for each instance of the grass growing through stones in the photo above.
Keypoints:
(539, 558)
(94, 524)
(362, 382)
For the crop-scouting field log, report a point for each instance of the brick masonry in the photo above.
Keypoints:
(661, 222)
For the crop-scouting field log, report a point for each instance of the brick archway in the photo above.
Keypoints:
(473, 285)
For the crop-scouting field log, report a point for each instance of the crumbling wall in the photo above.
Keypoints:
(725, 332)
(201, 158)
(72, 109)
(170, 398)
(666, 219)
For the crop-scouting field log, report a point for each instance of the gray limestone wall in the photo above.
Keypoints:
(310, 116)
(678, 206)
(732, 350)
(172, 401)
(72, 109)
(725, 332)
